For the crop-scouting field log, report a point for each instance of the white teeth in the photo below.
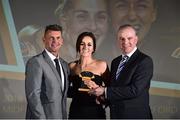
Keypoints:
(85, 51)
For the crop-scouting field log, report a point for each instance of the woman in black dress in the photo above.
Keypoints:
(85, 105)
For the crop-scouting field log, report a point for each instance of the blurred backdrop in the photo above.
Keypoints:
(157, 23)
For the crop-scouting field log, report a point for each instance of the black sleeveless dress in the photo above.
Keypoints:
(83, 105)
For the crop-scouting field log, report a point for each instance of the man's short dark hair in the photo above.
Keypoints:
(54, 27)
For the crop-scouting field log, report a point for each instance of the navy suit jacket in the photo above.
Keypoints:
(129, 94)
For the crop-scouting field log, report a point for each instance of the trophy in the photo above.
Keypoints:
(85, 75)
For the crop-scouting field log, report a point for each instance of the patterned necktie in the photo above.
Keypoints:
(121, 65)
(57, 67)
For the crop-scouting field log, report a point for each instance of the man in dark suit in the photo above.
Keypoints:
(131, 74)
(46, 81)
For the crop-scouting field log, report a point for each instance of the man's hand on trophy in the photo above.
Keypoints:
(91, 84)
(94, 88)
(98, 91)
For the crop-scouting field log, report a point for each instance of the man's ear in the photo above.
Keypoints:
(62, 42)
(43, 39)
(137, 40)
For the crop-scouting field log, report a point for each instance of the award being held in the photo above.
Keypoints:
(85, 75)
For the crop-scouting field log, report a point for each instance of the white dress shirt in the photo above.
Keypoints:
(52, 59)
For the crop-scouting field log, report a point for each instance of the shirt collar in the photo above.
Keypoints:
(130, 54)
(50, 55)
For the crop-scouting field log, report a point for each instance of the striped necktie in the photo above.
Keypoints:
(121, 65)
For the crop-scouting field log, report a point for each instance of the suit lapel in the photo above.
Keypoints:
(129, 63)
(48, 60)
(64, 72)
(132, 59)
(114, 70)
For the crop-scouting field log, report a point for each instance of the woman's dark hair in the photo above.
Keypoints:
(80, 38)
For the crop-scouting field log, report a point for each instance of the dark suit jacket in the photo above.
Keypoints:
(129, 95)
(44, 95)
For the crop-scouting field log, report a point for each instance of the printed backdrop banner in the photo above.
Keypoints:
(157, 23)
